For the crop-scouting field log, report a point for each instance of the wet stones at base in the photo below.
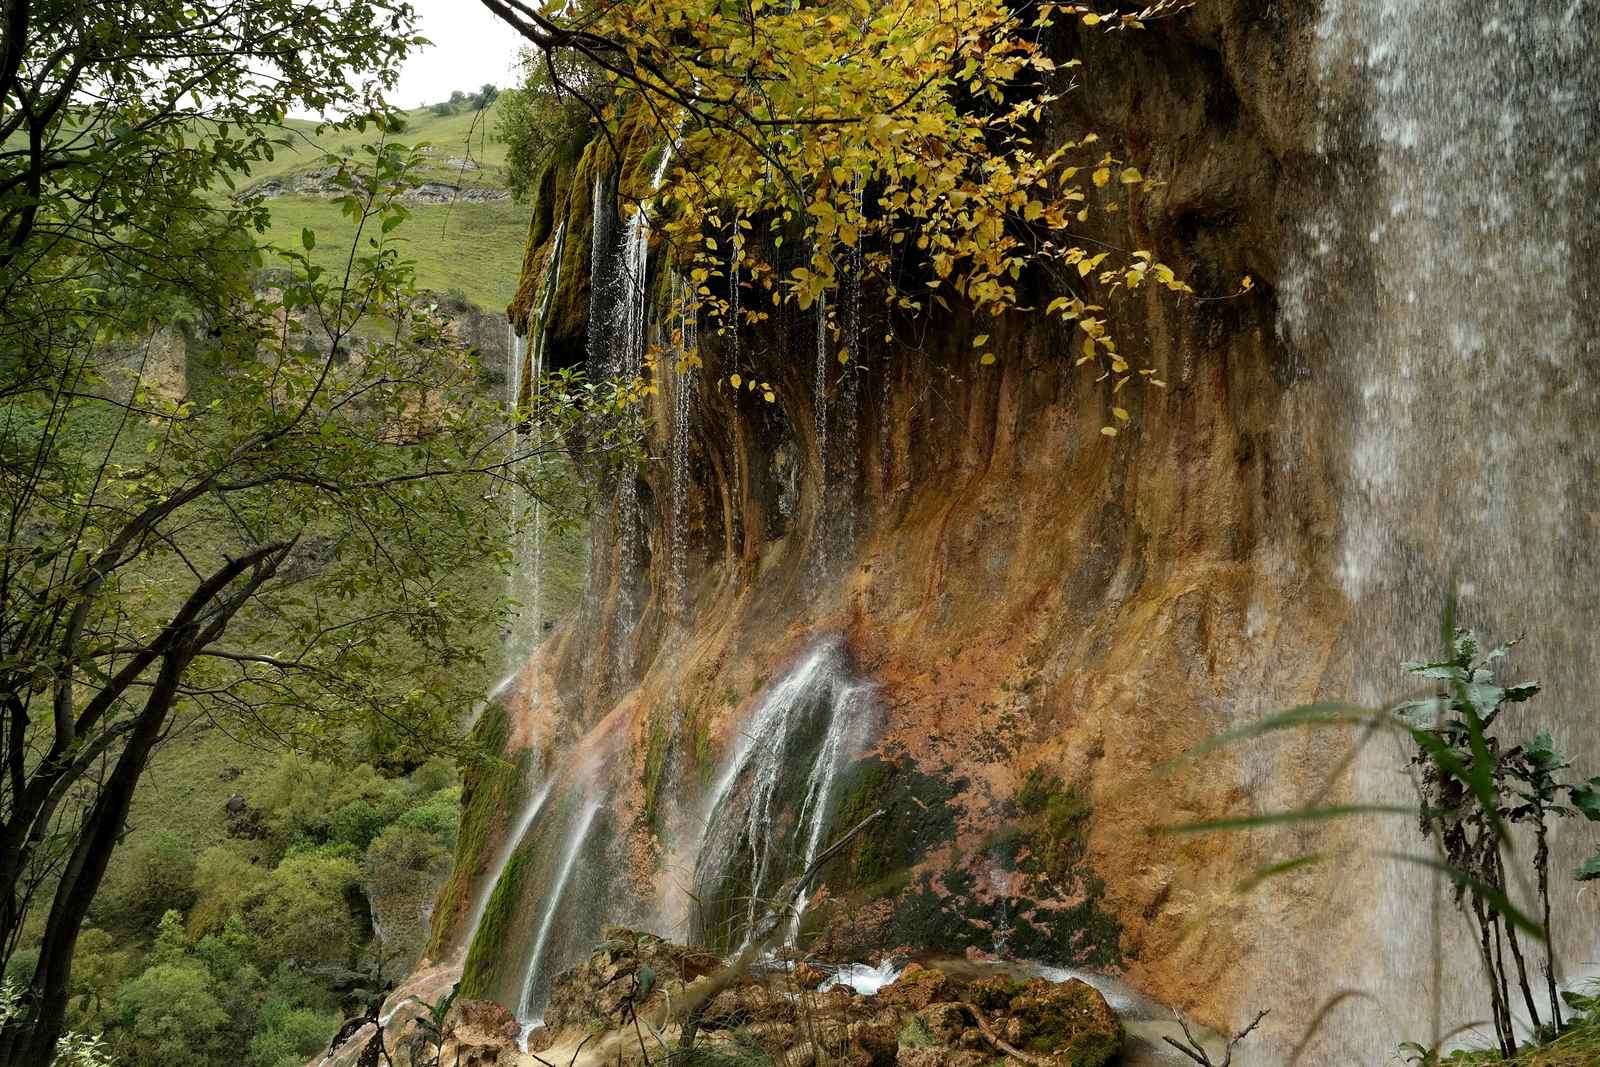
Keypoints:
(925, 1018)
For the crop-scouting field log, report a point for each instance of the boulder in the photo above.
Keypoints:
(1067, 1024)
(808, 977)
(916, 988)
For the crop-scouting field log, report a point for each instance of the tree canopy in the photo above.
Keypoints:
(876, 135)
(274, 533)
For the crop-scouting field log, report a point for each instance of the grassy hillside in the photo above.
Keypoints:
(474, 248)
(471, 246)
(466, 134)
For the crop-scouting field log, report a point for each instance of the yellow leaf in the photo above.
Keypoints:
(770, 397)
(1109, 431)
(1120, 413)
(1091, 19)
(988, 358)
(980, 340)
(1102, 176)
(735, 380)
(1131, 176)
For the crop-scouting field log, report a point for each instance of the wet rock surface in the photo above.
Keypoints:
(926, 1017)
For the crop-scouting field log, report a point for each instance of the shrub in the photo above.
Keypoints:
(157, 875)
(170, 1017)
(439, 815)
(305, 910)
(287, 1034)
(223, 878)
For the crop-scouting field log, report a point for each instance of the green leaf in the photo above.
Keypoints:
(1590, 870)
(1586, 798)
(1328, 713)
(1278, 818)
(1446, 671)
(308, 238)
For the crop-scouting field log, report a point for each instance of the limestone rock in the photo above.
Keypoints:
(1068, 1024)
(916, 988)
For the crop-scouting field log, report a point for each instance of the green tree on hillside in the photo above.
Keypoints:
(277, 548)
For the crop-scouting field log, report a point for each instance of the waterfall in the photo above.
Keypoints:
(508, 848)
(540, 335)
(682, 406)
(736, 497)
(845, 733)
(1439, 294)
(576, 839)
(820, 388)
(626, 361)
(779, 768)
(850, 385)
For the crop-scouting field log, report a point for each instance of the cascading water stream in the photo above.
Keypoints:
(576, 840)
(845, 734)
(682, 423)
(1439, 295)
(820, 402)
(850, 384)
(626, 361)
(744, 837)
(508, 848)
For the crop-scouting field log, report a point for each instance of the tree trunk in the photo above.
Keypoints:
(35, 1043)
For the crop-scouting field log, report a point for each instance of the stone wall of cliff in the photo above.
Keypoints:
(1052, 617)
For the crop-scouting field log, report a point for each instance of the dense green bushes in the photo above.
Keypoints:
(252, 952)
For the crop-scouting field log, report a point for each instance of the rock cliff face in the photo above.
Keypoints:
(1047, 618)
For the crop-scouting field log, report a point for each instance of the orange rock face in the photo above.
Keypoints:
(1035, 602)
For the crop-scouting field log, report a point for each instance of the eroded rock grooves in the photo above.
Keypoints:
(1045, 620)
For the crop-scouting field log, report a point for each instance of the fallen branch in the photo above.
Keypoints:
(998, 1042)
(1196, 1051)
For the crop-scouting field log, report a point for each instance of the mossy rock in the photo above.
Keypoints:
(1069, 1023)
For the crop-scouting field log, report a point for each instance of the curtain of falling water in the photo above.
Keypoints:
(682, 409)
(626, 361)
(1440, 298)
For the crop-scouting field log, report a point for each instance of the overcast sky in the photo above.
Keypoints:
(470, 47)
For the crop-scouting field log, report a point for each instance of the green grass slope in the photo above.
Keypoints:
(471, 246)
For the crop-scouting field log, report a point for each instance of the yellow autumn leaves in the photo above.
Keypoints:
(889, 134)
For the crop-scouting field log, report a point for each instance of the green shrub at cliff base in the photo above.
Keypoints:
(904, 139)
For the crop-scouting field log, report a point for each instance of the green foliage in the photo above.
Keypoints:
(303, 912)
(224, 879)
(540, 124)
(288, 1035)
(743, 1051)
(170, 1017)
(158, 874)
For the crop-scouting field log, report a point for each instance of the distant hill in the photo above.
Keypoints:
(466, 234)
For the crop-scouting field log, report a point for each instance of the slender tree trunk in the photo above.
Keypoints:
(36, 1044)
(1541, 862)
(1515, 944)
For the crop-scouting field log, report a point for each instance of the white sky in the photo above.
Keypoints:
(470, 47)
